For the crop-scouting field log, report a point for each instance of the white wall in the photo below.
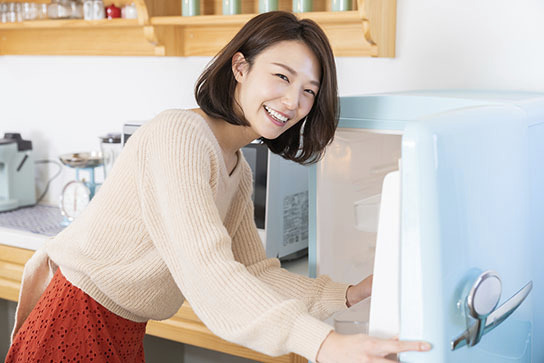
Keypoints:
(64, 103)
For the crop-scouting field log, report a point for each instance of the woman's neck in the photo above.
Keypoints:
(230, 137)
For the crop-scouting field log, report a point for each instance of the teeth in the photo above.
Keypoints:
(276, 115)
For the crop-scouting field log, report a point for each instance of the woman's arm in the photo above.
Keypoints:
(321, 295)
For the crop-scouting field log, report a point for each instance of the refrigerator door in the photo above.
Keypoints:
(465, 214)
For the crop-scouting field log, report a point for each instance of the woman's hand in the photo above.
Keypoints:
(359, 292)
(360, 348)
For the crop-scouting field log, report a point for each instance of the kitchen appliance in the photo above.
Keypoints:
(110, 146)
(17, 184)
(454, 239)
(280, 197)
(77, 193)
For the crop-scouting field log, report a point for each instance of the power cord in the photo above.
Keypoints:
(47, 161)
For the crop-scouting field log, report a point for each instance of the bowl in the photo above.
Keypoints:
(83, 159)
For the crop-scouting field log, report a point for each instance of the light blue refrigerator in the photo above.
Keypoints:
(440, 194)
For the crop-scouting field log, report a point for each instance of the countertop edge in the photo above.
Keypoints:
(21, 239)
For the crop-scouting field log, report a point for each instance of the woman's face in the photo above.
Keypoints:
(279, 89)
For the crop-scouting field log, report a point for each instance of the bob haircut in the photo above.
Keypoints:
(214, 90)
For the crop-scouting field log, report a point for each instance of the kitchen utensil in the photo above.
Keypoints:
(77, 193)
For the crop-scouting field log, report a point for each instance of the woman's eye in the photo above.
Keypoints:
(282, 77)
(311, 92)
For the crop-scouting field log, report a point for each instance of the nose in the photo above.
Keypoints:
(291, 98)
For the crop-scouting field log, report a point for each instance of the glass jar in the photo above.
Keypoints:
(340, 5)
(98, 10)
(59, 9)
(302, 6)
(13, 13)
(42, 11)
(88, 9)
(231, 7)
(3, 13)
(77, 9)
(30, 11)
(190, 7)
(267, 5)
(110, 145)
(129, 11)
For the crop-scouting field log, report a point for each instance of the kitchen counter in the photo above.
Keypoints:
(29, 227)
(17, 244)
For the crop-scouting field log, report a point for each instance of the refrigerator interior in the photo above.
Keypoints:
(349, 188)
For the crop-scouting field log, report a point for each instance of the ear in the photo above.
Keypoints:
(239, 66)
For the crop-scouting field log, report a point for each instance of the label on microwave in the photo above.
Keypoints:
(295, 218)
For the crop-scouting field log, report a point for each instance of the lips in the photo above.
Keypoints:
(276, 115)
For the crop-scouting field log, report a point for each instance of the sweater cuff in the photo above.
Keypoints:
(333, 297)
(307, 336)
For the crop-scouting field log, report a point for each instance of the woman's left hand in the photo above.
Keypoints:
(359, 292)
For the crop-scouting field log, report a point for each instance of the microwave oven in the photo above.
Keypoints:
(280, 198)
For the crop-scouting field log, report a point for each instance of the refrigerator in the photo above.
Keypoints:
(439, 194)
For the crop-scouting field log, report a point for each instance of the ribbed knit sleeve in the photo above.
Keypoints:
(179, 171)
(322, 296)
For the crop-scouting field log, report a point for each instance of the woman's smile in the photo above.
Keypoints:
(276, 117)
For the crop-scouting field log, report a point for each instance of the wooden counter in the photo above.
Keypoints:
(184, 327)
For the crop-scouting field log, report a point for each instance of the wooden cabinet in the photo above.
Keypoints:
(160, 30)
(184, 327)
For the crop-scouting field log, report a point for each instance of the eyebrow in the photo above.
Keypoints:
(291, 70)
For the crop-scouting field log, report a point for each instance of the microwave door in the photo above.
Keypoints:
(465, 249)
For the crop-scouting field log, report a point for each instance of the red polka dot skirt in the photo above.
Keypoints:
(67, 325)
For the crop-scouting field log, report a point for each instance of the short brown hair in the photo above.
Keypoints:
(214, 90)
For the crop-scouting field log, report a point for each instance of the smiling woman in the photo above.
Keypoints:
(285, 45)
(174, 221)
(276, 92)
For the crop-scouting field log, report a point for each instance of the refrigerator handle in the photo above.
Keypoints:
(472, 335)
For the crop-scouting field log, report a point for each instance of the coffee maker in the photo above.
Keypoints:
(17, 185)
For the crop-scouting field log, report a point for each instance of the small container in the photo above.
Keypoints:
(88, 9)
(353, 320)
(98, 10)
(190, 7)
(30, 11)
(77, 9)
(129, 12)
(3, 13)
(302, 6)
(113, 12)
(268, 5)
(42, 11)
(110, 145)
(340, 5)
(232, 7)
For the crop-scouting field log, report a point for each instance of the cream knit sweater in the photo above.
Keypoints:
(169, 223)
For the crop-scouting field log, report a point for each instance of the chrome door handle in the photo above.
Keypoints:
(506, 309)
(475, 331)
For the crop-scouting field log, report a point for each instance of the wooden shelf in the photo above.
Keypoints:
(116, 37)
(184, 327)
(161, 31)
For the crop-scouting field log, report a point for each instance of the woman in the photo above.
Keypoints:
(174, 221)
